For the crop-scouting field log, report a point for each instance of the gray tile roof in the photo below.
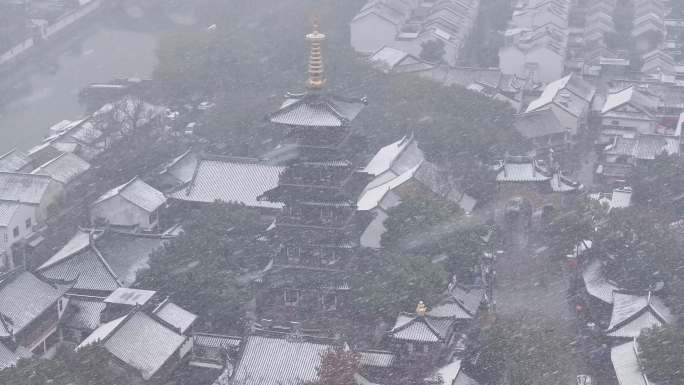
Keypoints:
(63, 168)
(23, 298)
(633, 313)
(127, 254)
(182, 167)
(376, 358)
(25, 188)
(538, 123)
(421, 329)
(278, 359)
(88, 268)
(83, 313)
(596, 284)
(13, 161)
(9, 357)
(175, 315)
(130, 296)
(77, 243)
(137, 192)
(460, 303)
(216, 341)
(231, 180)
(140, 341)
(317, 110)
(522, 169)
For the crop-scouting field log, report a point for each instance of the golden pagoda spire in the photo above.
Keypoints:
(421, 309)
(316, 80)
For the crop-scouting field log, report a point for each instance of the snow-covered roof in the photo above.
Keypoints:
(13, 161)
(370, 198)
(139, 340)
(628, 95)
(271, 359)
(388, 155)
(78, 242)
(522, 169)
(538, 123)
(64, 168)
(24, 298)
(317, 110)
(572, 83)
(413, 327)
(25, 188)
(626, 364)
(633, 313)
(232, 180)
(138, 193)
(182, 167)
(175, 315)
(596, 284)
(129, 296)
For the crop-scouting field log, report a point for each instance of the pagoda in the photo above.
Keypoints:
(317, 234)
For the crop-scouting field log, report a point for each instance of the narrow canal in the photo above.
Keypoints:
(46, 90)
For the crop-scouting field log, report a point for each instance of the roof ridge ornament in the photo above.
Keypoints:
(315, 38)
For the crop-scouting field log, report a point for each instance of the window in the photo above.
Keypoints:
(15, 232)
(6, 238)
(615, 122)
(326, 212)
(329, 301)
(154, 216)
(293, 254)
(28, 223)
(291, 297)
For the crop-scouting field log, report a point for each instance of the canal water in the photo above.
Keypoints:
(47, 92)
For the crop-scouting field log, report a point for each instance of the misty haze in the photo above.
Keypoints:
(341, 192)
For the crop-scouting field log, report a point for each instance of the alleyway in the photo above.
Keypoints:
(529, 281)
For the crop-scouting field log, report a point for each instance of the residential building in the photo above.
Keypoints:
(392, 60)
(134, 204)
(570, 99)
(144, 347)
(17, 221)
(599, 22)
(99, 262)
(407, 25)
(24, 202)
(536, 40)
(318, 231)
(378, 23)
(31, 311)
(649, 24)
(658, 62)
(627, 113)
(226, 179)
(537, 53)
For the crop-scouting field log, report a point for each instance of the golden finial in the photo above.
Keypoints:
(316, 80)
(421, 309)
